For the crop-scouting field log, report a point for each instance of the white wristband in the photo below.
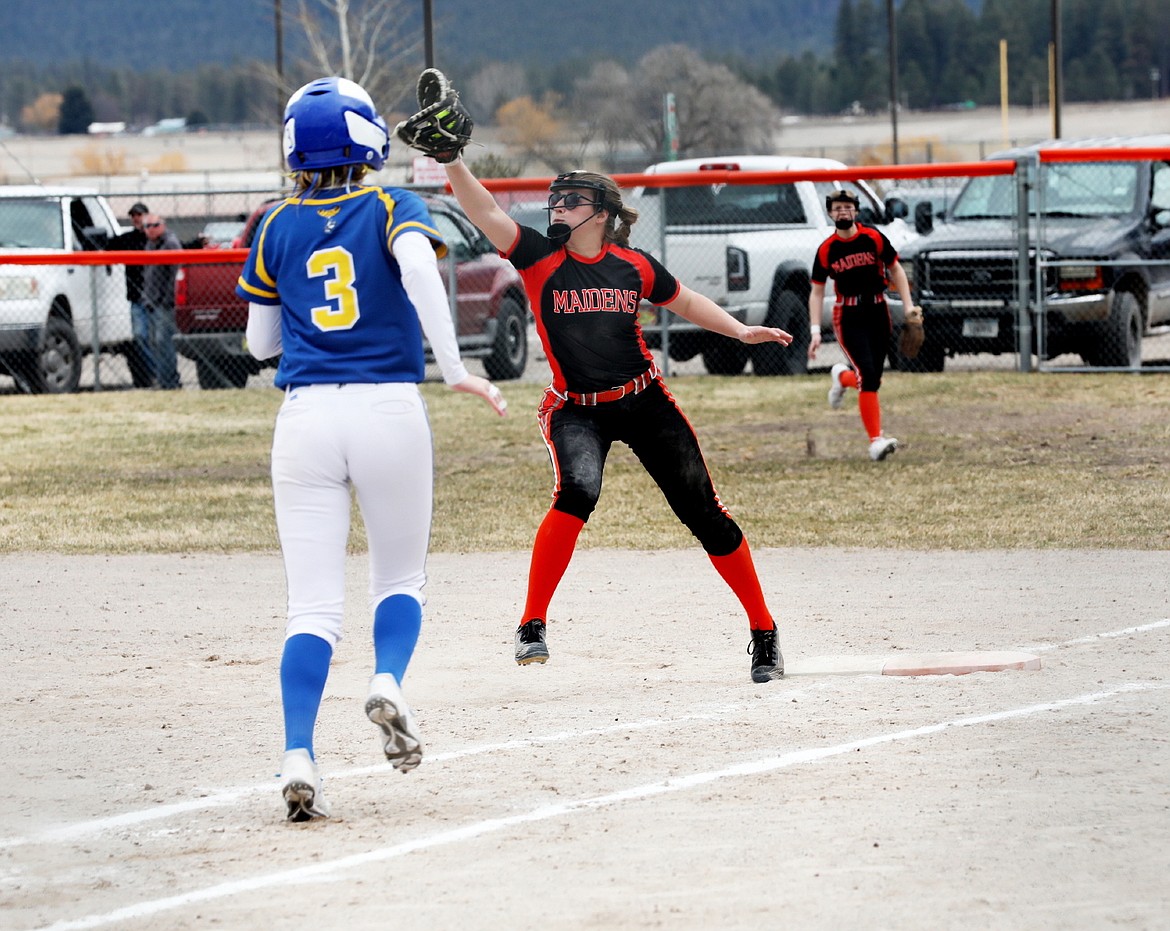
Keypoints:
(814, 330)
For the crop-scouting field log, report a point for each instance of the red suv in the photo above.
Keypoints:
(490, 310)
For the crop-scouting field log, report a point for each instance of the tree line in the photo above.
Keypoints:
(948, 55)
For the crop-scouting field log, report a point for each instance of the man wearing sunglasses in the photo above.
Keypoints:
(585, 283)
(158, 296)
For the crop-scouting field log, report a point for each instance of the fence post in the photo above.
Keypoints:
(1023, 311)
(664, 314)
(92, 270)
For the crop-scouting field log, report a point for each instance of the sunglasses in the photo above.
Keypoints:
(572, 200)
(151, 225)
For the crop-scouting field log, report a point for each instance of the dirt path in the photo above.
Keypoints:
(639, 780)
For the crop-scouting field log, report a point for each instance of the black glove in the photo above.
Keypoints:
(442, 127)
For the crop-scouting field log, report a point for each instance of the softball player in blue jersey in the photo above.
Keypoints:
(342, 280)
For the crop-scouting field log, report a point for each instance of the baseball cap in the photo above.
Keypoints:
(137, 209)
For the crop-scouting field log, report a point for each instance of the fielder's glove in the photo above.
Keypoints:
(442, 127)
(912, 333)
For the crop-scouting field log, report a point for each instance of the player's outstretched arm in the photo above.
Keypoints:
(704, 312)
(483, 388)
(480, 206)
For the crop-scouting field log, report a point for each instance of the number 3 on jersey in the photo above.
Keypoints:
(336, 266)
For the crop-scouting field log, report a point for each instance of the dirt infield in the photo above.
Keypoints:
(639, 780)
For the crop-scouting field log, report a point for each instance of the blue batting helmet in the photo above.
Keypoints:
(332, 122)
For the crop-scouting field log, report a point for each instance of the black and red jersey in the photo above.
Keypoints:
(587, 308)
(857, 266)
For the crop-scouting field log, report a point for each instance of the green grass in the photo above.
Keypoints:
(989, 460)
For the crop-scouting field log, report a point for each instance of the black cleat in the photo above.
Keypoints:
(767, 661)
(530, 645)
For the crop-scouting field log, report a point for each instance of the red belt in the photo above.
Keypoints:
(633, 386)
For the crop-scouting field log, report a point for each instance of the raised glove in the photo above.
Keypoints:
(442, 127)
(912, 333)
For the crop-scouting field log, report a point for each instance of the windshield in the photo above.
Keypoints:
(1090, 189)
(34, 224)
(718, 204)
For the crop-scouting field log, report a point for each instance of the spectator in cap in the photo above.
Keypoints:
(141, 360)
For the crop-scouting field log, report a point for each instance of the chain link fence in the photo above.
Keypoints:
(1064, 263)
(77, 311)
(1049, 259)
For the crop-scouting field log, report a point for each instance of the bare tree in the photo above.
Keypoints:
(603, 102)
(534, 129)
(365, 41)
(491, 87)
(717, 112)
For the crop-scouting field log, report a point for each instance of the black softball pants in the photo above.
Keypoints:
(863, 330)
(655, 429)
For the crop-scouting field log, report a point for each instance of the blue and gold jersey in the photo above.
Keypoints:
(326, 260)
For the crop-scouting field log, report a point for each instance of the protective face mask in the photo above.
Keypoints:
(559, 233)
(842, 223)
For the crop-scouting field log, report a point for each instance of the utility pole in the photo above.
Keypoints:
(278, 13)
(428, 34)
(1054, 69)
(893, 76)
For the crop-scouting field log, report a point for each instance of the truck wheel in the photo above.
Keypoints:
(723, 356)
(56, 367)
(789, 313)
(221, 372)
(1117, 343)
(510, 352)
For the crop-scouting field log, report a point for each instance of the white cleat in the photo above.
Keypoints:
(301, 787)
(388, 709)
(882, 448)
(837, 391)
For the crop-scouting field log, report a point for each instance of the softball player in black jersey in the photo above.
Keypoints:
(860, 260)
(586, 282)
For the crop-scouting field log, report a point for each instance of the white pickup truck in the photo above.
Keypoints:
(51, 316)
(748, 247)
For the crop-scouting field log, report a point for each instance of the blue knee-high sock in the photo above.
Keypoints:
(304, 667)
(397, 622)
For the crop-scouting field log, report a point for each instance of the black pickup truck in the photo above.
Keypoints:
(1097, 269)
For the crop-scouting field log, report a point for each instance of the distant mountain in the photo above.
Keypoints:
(183, 34)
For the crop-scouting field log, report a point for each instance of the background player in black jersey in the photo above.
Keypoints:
(585, 283)
(861, 261)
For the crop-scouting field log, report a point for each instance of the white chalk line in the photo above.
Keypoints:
(230, 796)
(1109, 635)
(300, 874)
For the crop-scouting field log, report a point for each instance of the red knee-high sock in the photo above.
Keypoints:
(871, 413)
(553, 548)
(849, 378)
(738, 571)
